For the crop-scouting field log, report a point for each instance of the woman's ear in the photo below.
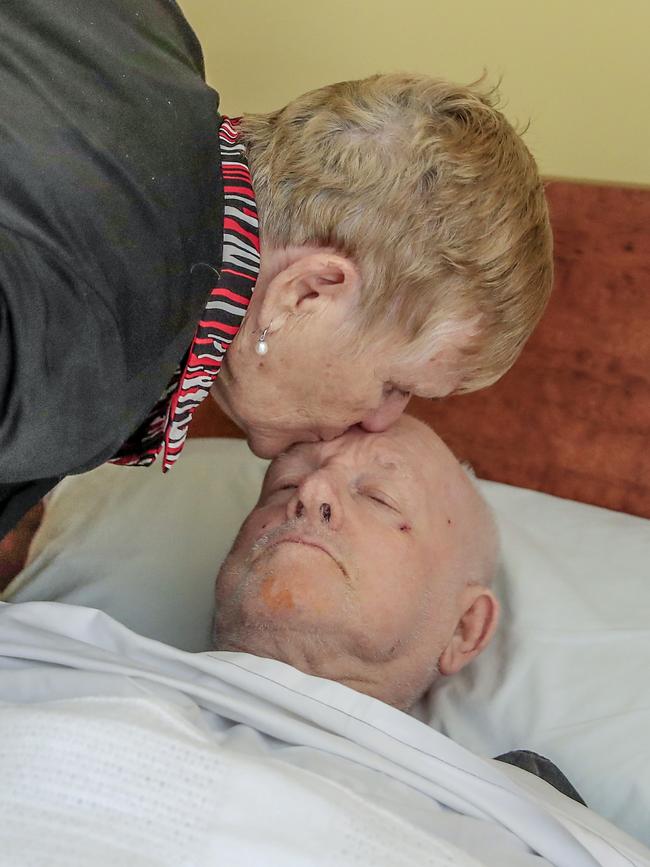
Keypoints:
(475, 628)
(310, 284)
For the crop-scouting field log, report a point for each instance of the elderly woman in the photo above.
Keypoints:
(311, 268)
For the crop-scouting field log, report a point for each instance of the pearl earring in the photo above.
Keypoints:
(262, 346)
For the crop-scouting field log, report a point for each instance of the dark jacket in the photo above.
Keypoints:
(110, 191)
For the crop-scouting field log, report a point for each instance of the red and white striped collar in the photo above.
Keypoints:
(166, 426)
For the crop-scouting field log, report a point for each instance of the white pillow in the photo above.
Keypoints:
(568, 674)
(142, 546)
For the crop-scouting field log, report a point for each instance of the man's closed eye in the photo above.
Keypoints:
(381, 498)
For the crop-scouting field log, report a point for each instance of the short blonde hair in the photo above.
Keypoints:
(432, 193)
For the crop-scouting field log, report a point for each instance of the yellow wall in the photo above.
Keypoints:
(579, 70)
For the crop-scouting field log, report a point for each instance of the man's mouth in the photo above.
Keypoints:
(311, 542)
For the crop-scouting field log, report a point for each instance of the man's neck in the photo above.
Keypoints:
(327, 656)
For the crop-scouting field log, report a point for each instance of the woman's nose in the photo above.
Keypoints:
(316, 502)
(386, 414)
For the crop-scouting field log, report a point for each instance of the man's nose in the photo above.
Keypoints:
(386, 414)
(316, 501)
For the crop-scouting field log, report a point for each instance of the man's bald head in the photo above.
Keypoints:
(367, 560)
(476, 527)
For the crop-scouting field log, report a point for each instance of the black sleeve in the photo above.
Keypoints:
(109, 193)
(62, 366)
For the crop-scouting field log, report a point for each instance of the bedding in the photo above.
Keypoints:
(116, 749)
(566, 676)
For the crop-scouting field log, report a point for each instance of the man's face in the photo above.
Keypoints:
(353, 556)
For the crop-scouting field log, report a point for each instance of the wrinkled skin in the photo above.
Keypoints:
(321, 374)
(364, 561)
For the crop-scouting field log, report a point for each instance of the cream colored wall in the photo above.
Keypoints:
(579, 70)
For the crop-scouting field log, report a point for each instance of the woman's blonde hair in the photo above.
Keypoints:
(430, 191)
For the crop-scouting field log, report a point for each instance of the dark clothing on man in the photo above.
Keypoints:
(543, 768)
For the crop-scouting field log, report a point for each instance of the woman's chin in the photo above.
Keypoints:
(270, 445)
(263, 448)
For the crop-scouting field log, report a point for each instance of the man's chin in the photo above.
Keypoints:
(282, 599)
(312, 645)
(300, 574)
(291, 595)
(274, 633)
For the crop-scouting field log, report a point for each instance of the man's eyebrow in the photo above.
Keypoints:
(392, 465)
(275, 465)
(298, 460)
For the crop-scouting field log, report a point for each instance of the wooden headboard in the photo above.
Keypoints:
(572, 417)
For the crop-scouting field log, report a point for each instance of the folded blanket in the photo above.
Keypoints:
(115, 749)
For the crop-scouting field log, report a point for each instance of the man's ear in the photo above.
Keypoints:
(475, 628)
(308, 285)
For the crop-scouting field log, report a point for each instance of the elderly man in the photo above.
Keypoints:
(367, 560)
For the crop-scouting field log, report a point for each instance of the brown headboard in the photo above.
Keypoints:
(572, 417)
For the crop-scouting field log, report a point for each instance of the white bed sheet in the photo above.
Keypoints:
(146, 754)
(565, 676)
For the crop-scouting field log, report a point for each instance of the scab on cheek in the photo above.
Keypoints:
(405, 528)
(276, 600)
